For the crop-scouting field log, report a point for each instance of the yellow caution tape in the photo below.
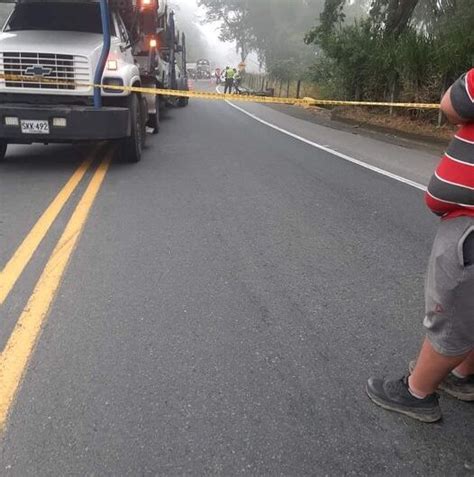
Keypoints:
(218, 96)
(326, 102)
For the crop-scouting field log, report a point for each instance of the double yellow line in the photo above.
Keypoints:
(19, 348)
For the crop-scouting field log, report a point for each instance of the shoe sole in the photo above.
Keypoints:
(465, 397)
(435, 416)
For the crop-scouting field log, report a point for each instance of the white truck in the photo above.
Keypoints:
(52, 52)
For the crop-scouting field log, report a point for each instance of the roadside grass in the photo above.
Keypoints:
(411, 122)
(405, 123)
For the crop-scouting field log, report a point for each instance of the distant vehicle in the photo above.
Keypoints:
(203, 69)
(192, 70)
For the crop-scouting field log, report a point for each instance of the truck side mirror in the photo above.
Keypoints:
(124, 48)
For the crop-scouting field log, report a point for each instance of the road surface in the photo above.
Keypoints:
(223, 308)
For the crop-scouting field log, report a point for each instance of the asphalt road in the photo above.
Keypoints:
(226, 303)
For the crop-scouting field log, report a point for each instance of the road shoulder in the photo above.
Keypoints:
(334, 120)
(407, 158)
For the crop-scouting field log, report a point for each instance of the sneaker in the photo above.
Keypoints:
(394, 395)
(460, 388)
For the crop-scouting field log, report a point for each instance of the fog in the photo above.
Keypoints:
(203, 38)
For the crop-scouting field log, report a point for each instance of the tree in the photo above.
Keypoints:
(234, 15)
(393, 16)
(390, 16)
(274, 29)
(408, 48)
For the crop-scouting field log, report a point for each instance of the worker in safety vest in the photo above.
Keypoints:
(237, 81)
(229, 79)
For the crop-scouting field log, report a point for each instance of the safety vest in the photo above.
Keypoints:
(230, 73)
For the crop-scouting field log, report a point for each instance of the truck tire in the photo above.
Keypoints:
(183, 102)
(133, 145)
(3, 150)
(154, 119)
(144, 112)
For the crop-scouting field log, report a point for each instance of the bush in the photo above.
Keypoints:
(362, 61)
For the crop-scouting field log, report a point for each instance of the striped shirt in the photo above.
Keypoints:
(451, 190)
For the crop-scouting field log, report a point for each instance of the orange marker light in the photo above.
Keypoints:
(147, 4)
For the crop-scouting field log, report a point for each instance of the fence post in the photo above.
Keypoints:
(443, 91)
(392, 96)
(298, 89)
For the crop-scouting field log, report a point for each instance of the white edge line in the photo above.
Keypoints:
(383, 172)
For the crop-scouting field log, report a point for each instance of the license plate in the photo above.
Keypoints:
(33, 126)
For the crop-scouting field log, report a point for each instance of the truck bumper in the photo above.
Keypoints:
(83, 123)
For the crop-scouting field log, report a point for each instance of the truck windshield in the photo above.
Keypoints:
(56, 16)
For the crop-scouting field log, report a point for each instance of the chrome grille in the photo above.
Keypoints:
(65, 69)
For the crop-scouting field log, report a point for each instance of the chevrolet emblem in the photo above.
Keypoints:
(38, 70)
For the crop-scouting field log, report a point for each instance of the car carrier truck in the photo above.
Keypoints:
(63, 62)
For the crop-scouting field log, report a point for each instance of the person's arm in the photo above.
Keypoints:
(448, 109)
(458, 102)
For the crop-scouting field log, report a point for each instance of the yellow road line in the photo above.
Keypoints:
(20, 346)
(20, 259)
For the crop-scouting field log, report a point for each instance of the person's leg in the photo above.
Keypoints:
(459, 383)
(431, 368)
(449, 325)
(466, 368)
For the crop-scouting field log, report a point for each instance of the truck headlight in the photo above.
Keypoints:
(59, 122)
(11, 121)
(112, 65)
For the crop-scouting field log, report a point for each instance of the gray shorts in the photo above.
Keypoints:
(449, 319)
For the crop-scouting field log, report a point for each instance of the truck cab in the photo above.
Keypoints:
(50, 53)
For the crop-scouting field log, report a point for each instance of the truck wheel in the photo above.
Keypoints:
(183, 102)
(144, 111)
(154, 120)
(3, 150)
(133, 145)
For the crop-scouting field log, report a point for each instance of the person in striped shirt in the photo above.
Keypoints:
(446, 359)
